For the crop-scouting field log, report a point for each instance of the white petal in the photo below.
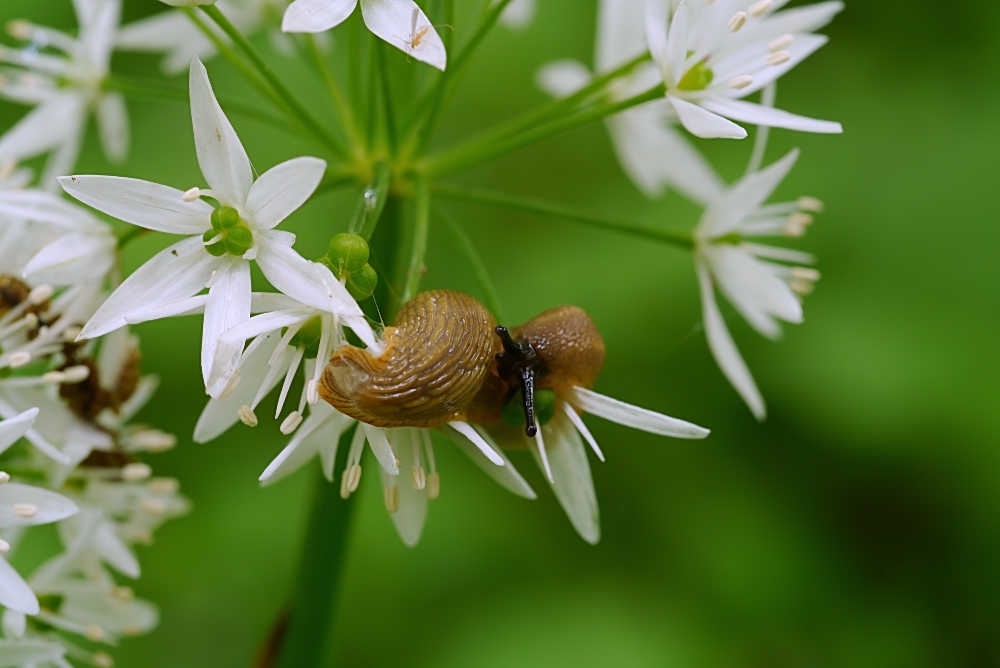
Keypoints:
(751, 285)
(190, 306)
(465, 429)
(51, 507)
(724, 350)
(283, 189)
(519, 14)
(562, 78)
(381, 448)
(316, 15)
(115, 552)
(228, 306)
(224, 162)
(45, 127)
(677, 44)
(221, 414)
(43, 207)
(572, 482)
(71, 259)
(506, 475)
(409, 519)
(633, 416)
(150, 205)
(752, 61)
(14, 428)
(782, 254)
(402, 22)
(621, 33)
(319, 432)
(230, 345)
(703, 123)
(657, 25)
(748, 112)
(177, 272)
(301, 279)
(725, 214)
(112, 121)
(14, 623)
(15, 594)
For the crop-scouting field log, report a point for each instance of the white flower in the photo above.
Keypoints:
(65, 88)
(176, 35)
(188, 3)
(653, 154)
(223, 241)
(519, 14)
(32, 652)
(762, 291)
(713, 54)
(399, 22)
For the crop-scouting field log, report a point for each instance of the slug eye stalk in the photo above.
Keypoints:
(518, 366)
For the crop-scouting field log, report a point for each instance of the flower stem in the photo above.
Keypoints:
(314, 604)
(540, 207)
(490, 295)
(421, 224)
(275, 82)
(479, 151)
(332, 87)
(370, 202)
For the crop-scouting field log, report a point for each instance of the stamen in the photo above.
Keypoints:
(76, 374)
(247, 416)
(53, 377)
(132, 630)
(418, 477)
(136, 471)
(18, 359)
(741, 82)
(165, 486)
(540, 442)
(4, 477)
(758, 8)
(153, 506)
(192, 194)
(737, 22)
(433, 485)
(810, 204)
(803, 280)
(709, 2)
(289, 377)
(290, 423)
(805, 274)
(25, 510)
(102, 660)
(797, 224)
(4, 546)
(153, 440)
(392, 498)
(312, 392)
(234, 380)
(19, 29)
(778, 58)
(123, 594)
(582, 428)
(781, 43)
(70, 334)
(93, 632)
(354, 479)
(40, 295)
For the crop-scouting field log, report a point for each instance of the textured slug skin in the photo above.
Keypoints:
(435, 362)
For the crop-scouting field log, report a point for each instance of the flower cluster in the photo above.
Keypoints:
(69, 368)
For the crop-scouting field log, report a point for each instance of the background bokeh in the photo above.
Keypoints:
(859, 526)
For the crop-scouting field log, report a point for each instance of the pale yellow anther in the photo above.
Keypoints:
(810, 204)
(31, 321)
(805, 274)
(247, 416)
(132, 630)
(780, 43)
(7, 166)
(153, 440)
(40, 294)
(191, 195)
(291, 423)
(741, 82)
(93, 632)
(25, 510)
(433, 485)
(355, 478)
(76, 374)
(778, 58)
(20, 29)
(312, 392)
(165, 486)
(70, 334)
(123, 594)
(418, 477)
(234, 380)
(153, 506)
(738, 21)
(4, 546)
(759, 8)
(4, 477)
(102, 660)
(18, 359)
(392, 498)
(53, 377)
(136, 471)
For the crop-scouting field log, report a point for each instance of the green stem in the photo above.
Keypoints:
(421, 224)
(314, 604)
(490, 295)
(332, 87)
(276, 83)
(387, 110)
(540, 207)
(130, 233)
(476, 152)
(154, 90)
(371, 202)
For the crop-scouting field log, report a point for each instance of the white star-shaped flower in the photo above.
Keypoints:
(760, 289)
(223, 240)
(65, 88)
(711, 55)
(399, 22)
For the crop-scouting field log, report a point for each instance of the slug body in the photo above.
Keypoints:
(446, 359)
(435, 361)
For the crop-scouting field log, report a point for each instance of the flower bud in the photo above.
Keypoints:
(347, 252)
(361, 284)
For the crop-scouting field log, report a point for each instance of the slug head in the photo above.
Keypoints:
(518, 366)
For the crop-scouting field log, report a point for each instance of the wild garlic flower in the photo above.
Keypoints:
(519, 14)
(399, 22)
(653, 154)
(711, 55)
(65, 86)
(174, 34)
(223, 240)
(749, 274)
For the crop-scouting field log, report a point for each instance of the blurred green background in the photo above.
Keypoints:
(859, 526)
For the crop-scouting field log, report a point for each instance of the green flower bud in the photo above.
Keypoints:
(545, 408)
(217, 249)
(225, 218)
(308, 336)
(361, 284)
(239, 240)
(347, 252)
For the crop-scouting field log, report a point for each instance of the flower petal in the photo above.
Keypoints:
(13, 429)
(224, 162)
(677, 44)
(316, 15)
(230, 345)
(411, 515)
(177, 272)
(657, 26)
(633, 416)
(228, 306)
(487, 448)
(703, 123)
(726, 213)
(320, 431)
(112, 122)
(47, 126)
(283, 189)
(381, 448)
(506, 475)
(71, 259)
(724, 350)
(562, 78)
(404, 25)
(748, 112)
(150, 205)
(49, 506)
(299, 278)
(571, 479)
(15, 594)
(189, 306)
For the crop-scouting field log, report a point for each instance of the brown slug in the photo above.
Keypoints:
(447, 359)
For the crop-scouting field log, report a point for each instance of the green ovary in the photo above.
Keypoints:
(697, 78)
(232, 234)
(308, 337)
